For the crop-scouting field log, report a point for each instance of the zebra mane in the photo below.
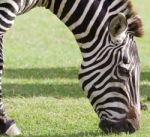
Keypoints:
(135, 23)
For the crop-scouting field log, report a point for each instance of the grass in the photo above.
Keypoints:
(40, 80)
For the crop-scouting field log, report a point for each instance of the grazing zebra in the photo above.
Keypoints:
(109, 73)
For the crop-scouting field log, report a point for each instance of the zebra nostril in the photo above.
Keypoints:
(123, 70)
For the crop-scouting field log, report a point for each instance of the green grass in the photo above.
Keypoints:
(40, 80)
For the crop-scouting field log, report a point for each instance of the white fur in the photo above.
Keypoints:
(13, 131)
(119, 39)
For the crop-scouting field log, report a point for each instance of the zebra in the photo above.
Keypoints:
(110, 69)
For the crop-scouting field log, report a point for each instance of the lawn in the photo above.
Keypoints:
(40, 84)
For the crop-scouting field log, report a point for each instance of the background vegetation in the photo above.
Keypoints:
(40, 82)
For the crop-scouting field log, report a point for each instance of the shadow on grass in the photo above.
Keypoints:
(30, 90)
(42, 73)
(40, 89)
(55, 90)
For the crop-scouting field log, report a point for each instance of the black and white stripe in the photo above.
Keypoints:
(109, 73)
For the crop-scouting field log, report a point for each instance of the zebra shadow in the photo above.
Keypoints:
(56, 82)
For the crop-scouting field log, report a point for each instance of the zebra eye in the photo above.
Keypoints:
(123, 70)
(125, 59)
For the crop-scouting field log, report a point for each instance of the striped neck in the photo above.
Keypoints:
(79, 16)
(87, 19)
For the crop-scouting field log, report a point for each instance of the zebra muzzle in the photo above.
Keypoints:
(116, 127)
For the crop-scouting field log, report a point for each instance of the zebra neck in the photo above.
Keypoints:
(70, 12)
(26, 5)
(80, 16)
(86, 19)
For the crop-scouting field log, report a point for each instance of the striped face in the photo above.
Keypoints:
(111, 81)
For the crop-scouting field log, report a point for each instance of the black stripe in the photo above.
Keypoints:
(67, 7)
(117, 6)
(56, 6)
(119, 110)
(97, 23)
(9, 7)
(109, 90)
(6, 15)
(87, 50)
(89, 80)
(2, 31)
(77, 13)
(4, 24)
(49, 4)
(1, 66)
(88, 18)
(99, 66)
(111, 100)
(42, 2)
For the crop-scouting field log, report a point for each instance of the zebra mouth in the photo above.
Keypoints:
(113, 127)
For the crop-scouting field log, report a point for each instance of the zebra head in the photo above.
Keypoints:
(119, 105)
(111, 81)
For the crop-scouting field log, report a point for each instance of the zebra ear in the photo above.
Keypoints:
(117, 25)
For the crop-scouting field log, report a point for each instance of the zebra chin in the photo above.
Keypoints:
(117, 127)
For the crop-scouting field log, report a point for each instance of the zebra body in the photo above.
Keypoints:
(104, 31)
